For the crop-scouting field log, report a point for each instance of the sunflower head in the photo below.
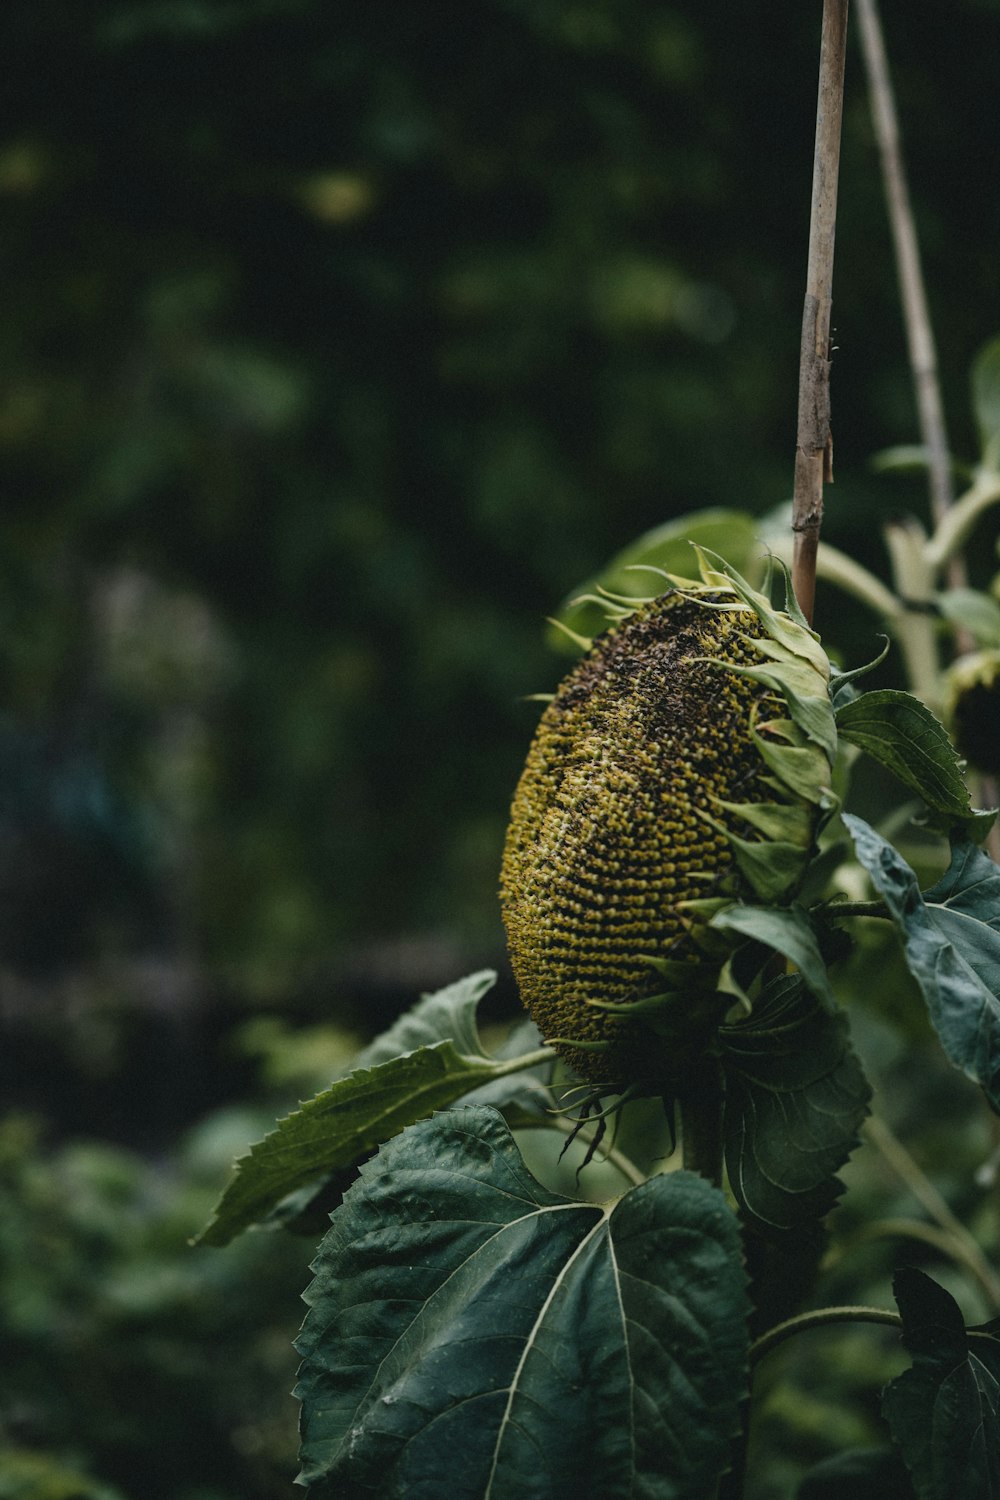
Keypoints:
(973, 708)
(684, 763)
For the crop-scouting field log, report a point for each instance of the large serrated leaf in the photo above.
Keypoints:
(474, 1335)
(387, 1090)
(795, 1098)
(951, 941)
(446, 1015)
(903, 735)
(449, 1014)
(944, 1412)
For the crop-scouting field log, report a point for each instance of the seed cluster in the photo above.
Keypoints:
(606, 835)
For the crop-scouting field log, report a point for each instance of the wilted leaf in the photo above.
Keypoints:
(951, 941)
(795, 1097)
(944, 1412)
(472, 1334)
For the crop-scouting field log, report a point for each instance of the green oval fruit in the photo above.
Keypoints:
(670, 767)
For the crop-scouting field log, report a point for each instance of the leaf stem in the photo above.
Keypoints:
(857, 909)
(953, 530)
(965, 1248)
(814, 443)
(700, 1106)
(527, 1060)
(913, 578)
(820, 1317)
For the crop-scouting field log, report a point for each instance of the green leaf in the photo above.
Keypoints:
(667, 548)
(346, 1122)
(773, 869)
(786, 822)
(842, 683)
(786, 929)
(976, 612)
(951, 941)
(986, 401)
(905, 456)
(474, 1335)
(795, 1098)
(944, 1412)
(450, 1015)
(788, 634)
(799, 766)
(911, 457)
(903, 735)
(446, 1015)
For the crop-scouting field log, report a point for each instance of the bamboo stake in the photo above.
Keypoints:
(814, 440)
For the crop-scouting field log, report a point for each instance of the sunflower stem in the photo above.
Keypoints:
(701, 1120)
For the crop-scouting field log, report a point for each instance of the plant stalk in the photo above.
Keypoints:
(919, 332)
(915, 628)
(814, 439)
(916, 316)
(701, 1120)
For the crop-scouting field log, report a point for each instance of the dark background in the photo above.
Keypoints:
(339, 342)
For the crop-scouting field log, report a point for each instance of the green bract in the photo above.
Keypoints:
(685, 763)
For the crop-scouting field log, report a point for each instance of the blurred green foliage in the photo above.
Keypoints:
(153, 1368)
